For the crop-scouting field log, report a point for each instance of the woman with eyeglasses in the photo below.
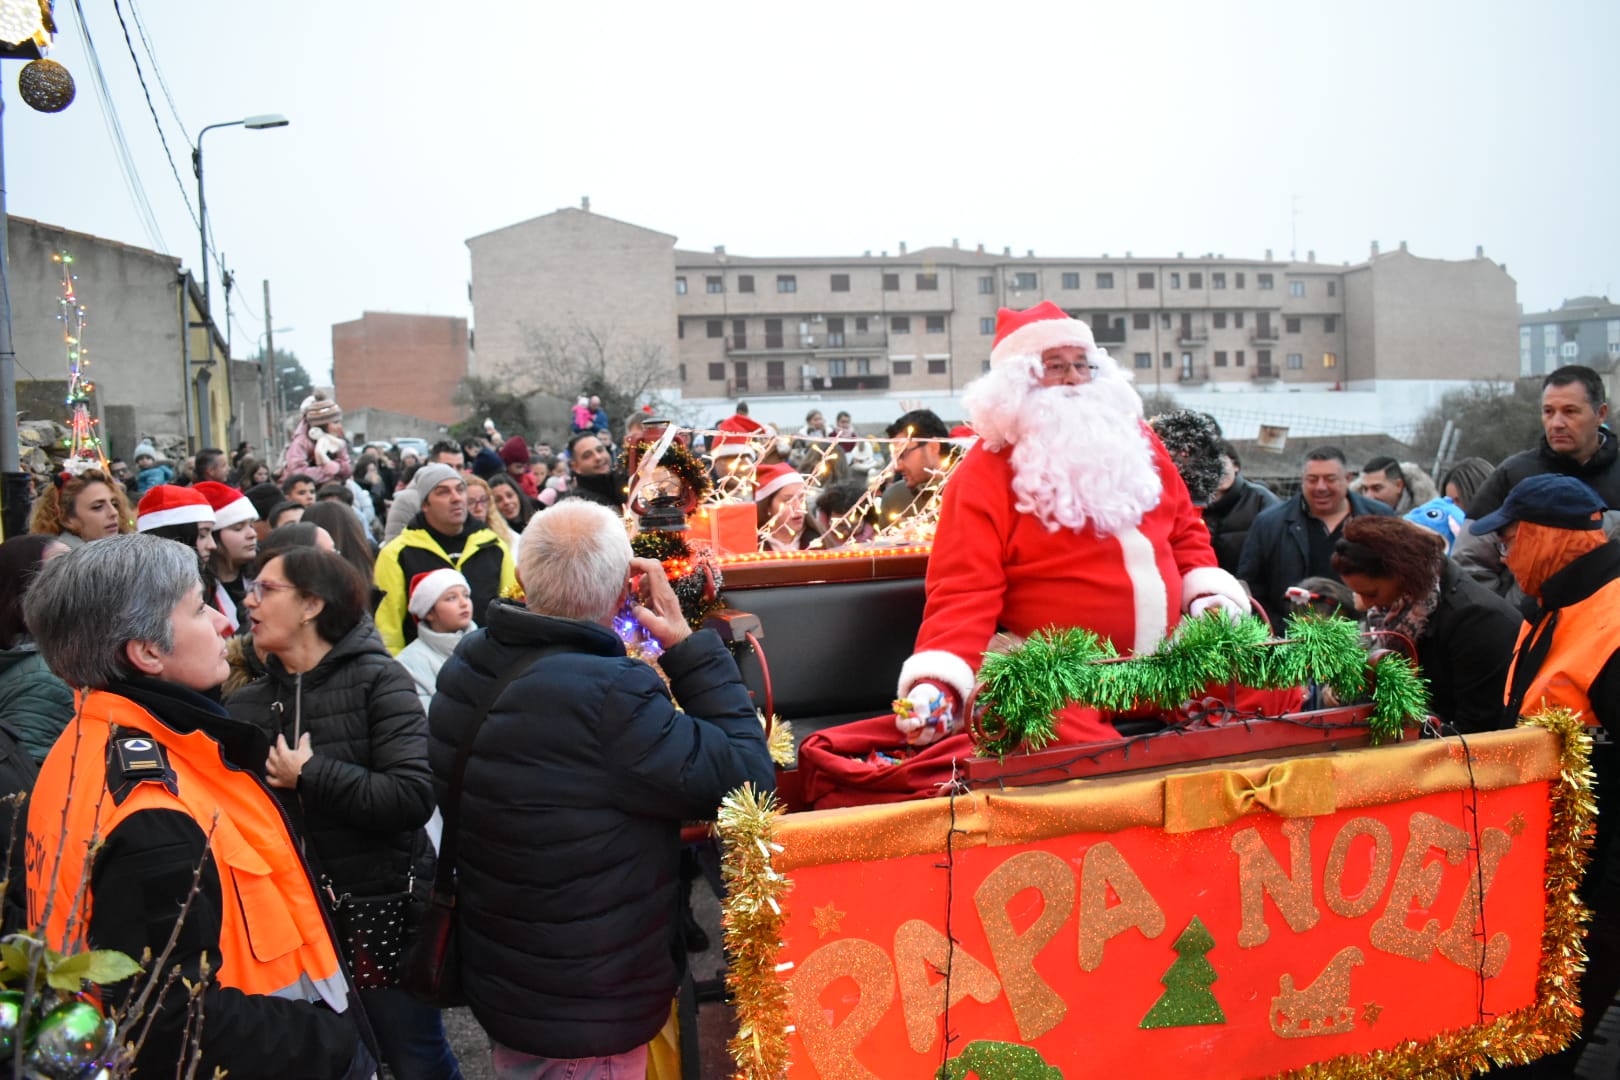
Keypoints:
(348, 758)
(1463, 632)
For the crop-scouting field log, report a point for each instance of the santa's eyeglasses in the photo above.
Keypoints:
(1058, 369)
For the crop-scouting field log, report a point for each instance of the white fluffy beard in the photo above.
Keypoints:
(1079, 455)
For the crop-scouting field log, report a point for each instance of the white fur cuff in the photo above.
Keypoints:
(1212, 581)
(939, 666)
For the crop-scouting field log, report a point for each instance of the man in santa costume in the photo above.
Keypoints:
(1068, 512)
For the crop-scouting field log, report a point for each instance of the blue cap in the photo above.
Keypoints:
(1551, 499)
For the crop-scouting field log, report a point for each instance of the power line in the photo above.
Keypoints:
(146, 43)
(141, 76)
(115, 132)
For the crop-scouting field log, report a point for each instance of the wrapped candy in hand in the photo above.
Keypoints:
(924, 715)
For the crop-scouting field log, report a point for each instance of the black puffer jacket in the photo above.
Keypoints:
(569, 846)
(1600, 472)
(364, 796)
(1230, 516)
(1466, 651)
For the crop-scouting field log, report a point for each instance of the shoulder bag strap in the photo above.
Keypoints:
(444, 873)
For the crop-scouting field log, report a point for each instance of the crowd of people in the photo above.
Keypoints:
(290, 671)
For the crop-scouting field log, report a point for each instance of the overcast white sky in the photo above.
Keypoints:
(830, 128)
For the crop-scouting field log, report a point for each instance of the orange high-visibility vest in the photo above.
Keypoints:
(273, 937)
(1582, 643)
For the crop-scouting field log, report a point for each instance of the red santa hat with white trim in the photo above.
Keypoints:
(170, 504)
(735, 439)
(231, 507)
(1034, 330)
(773, 478)
(428, 587)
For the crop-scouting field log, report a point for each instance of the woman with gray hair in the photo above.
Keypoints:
(164, 789)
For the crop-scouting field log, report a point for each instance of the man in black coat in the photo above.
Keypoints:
(1231, 513)
(580, 774)
(592, 465)
(1294, 539)
(1576, 441)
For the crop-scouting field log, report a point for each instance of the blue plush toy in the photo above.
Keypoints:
(1441, 516)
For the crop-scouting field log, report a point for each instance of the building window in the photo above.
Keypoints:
(739, 333)
(840, 283)
(902, 367)
(1220, 320)
(1238, 279)
(1330, 359)
(680, 331)
(1167, 360)
(936, 367)
(835, 332)
(680, 286)
(774, 375)
(987, 325)
(837, 369)
(773, 333)
(1142, 320)
(1262, 359)
(936, 324)
(1296, 361)
(863, 366)
(745, 282)
(1071, 279)
(1333, 288)
(860, 324)
(1024, 280)
(1164, 320)
(1175, 279)
(900, 324)
(1220, 359)
(891, 282)
(1105, 280)
(716, 328)
(927, 282)
(1570, 350)
(1330, 323)
(739, 375)
(1265, 281)
(787, 283)
(717, 373)
(1195, 279)
(1237, 358)
(1217, 280)
(1144, 280)
(1144, 361)
(1237, 320)
(987, 286)
(1296, 288)
(1291, 324)
(714, 283)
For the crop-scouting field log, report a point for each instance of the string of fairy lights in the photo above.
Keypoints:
(83, 444)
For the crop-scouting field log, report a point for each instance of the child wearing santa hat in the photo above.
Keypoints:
(779, 499)
(441, 602)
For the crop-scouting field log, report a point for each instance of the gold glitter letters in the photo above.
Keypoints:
(921, 951)
(1036, 1007)
(1260, 875)
(1353, 907)
(1458, 944)
(1417, 883)
(1106, 868)
(832, 1046)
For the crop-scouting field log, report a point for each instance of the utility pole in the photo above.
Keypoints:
(272, 433)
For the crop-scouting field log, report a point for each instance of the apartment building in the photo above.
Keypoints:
(1585, 330)
(918, 325)
(408, 364)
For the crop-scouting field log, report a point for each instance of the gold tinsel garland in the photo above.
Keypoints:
(752, 918)
(1548, 1025)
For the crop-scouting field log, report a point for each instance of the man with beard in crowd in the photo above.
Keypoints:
(594, 478)
(1068, 513)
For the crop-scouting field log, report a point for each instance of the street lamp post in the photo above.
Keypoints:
(253, 123)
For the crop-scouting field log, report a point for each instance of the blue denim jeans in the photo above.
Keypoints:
(410, 1036)
(515, 1065)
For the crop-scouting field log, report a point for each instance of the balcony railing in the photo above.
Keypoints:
(1265, 335)
(1109, 335)
(1194, 374)
(1266, 373)
(1193, 335)
(815, 341)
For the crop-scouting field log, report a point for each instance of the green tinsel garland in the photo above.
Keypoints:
(660, 546)
(1020, 691)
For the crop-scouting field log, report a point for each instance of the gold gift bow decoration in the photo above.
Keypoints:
(1207, 800)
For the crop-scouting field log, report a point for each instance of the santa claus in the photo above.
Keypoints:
(1068, 512)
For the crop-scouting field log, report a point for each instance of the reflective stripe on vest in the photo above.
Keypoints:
(273, 936)
(1582, 643)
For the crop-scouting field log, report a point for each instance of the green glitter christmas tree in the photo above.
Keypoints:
(1187, 1001)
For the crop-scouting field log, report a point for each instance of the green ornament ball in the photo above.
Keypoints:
(11, 1010)
(70, 1042)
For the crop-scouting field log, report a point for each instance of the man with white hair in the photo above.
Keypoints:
(579, 774)
(1068, 512)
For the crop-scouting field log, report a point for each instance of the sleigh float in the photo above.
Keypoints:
(1230, 894)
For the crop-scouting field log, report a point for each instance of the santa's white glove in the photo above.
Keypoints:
(1219, 603)
(924, 715)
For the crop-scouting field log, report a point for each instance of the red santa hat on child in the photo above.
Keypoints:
(773, 478)
(168, 504)
(426, 589)
(735, 438)
(1034, 330)
(231, 507)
